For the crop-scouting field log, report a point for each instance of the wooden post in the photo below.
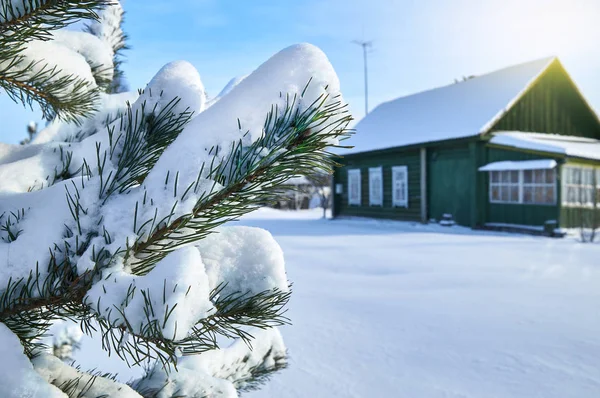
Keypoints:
(424, 185)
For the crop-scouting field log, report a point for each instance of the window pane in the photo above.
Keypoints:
(495, 193)
(550, 176)
(494, 176)
(528, 176)
(576, 176)
(514, 193)
(505, 177)
(538, 176)
(589, 176)
(538, 195)
(375, 188)
(504, 193)
(589, 195)
(572, 194)
(527, 194)
(514, 177)
(549, 199)
(568, 175)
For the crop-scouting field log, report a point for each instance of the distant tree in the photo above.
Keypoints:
(321, 187)
(588, 216)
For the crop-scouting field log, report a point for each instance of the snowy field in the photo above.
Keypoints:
(387, 309)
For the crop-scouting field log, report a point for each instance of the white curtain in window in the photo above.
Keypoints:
(579, 185)
(375, 186)
(354, 187)
(400, 186)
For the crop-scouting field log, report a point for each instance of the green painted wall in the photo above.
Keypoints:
(450, 182)
(411, 159)
(574, 217)
(553, 105)
(521, 214)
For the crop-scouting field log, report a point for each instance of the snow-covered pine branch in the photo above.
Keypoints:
(118, 224)
(39, 65)
(108, 28)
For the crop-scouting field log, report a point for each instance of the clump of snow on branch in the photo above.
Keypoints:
(79, 384)
(247, 259)
(18, 378)
(98, 54)
(228, 87)
(218, 373)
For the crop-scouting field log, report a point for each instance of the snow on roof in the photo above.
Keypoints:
(586, 148)
(458, 110)
(520, 165)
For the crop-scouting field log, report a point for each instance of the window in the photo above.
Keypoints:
(539, 186)
(354, 187)
(580, 185)
(375, 186)
(504, 186)
(536, 186)
(400, 186)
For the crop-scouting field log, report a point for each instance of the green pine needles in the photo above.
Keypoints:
(30, 81)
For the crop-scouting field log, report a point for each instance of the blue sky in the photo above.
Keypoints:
(418, 44)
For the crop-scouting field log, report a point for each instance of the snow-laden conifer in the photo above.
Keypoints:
(116, 216)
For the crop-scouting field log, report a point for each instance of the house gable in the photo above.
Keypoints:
(554, 105)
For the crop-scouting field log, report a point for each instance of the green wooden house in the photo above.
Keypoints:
(519, 147)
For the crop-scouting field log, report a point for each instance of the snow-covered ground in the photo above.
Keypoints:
(388, 309)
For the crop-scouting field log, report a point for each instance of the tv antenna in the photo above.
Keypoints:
(366, 45)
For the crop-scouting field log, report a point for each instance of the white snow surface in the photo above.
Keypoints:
(520, 165)
(579, 147)
(396, 309)
(459, 110)
(17, 376)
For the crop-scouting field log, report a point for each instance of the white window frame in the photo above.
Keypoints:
(399, 201)
(521, 185)
(375, 185)
(592, 187)
(354, 176)
(504, 185)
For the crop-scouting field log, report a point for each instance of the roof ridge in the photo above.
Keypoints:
(549, 59)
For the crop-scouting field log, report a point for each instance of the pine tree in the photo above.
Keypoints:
(117, 219)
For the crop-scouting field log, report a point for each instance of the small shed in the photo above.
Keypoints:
(519, 147)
